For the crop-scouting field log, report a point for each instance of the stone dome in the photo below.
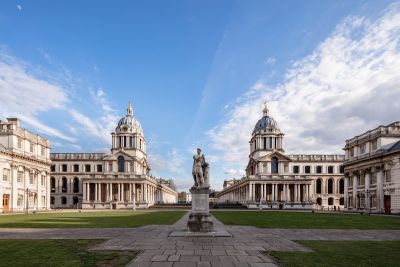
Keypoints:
(129, 123)
(265, 122)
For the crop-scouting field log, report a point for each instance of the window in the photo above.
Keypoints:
(307, 169)
(295, 169)
(42, 180)
(87, 168)
(388, 176)
(373, 178)
(76, 168)
(20, 200)
(76, 185)
(31, 147)
(75, 200)
(64, 167)
(63, 200)
(270, 142)
(318, 186)
(64, 185)
(52, 200)
(341, 201)
(30, 178)
(99, 168)
(319, 169)
(330, 169)
(19, 143)
(374, 144)
(53, 184)
(363, 148)
(121, 164)
(53, 168)
(20, 176)
(330, 186)
(319, 201)
(265, 142)
(341, 169)
(352, 152)
(341, 187)
(330, 201)
(361, 180)
(42, 150)
(274, 165)
(110, 166)
(6, 174)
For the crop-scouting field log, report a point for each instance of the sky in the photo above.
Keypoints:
(198, 72)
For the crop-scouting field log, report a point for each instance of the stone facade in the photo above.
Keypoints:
(115, 181)
(372, 170)
(24, 169)
(276, 180)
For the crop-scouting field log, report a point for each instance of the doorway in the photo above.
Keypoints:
(6, 203)
(387, 204)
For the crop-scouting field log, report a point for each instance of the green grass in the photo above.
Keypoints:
(120, 219)
(59, 253)
(343, 253)
(306, 220)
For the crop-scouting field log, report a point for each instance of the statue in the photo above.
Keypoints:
(200, 170)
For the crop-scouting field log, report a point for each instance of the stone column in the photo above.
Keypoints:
(379, 190)
(130, 192)
(367, 186)
(250, 192)
(295, 192)
(346, 192)
(273, 192)
(355, 191)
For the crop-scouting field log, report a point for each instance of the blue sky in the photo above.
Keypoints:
(197, 73)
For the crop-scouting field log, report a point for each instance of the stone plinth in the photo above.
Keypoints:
(199, 218)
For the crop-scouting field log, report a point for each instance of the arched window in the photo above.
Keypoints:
(319, 201)
(75, 200)
(53, 184)
(76, 185)
(318, 186)
(330, 186)
(274, 165)
(63, 200)
(330, 201)
(64, 185)
(121, 164)
(341, 187)
(52, 201)
(341, 201)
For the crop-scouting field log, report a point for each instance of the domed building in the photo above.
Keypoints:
(277, 181)
(120, 180)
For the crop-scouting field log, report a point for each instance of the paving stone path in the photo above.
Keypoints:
(159, 249)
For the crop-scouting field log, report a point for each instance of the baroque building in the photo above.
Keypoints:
(276, 180)
(372, 170)
(24, 169)
(110, 181)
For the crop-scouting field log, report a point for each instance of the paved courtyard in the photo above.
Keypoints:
(159, 249)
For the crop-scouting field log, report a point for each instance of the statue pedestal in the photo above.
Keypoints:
(200, 219)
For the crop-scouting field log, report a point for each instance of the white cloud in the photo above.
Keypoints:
(350, 83)
(19, 7)
(270, 61)
(23, 95)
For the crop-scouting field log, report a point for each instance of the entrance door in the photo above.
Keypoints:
(6, 203)
(387, 204)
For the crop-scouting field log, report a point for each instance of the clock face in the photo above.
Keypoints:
(125, 128)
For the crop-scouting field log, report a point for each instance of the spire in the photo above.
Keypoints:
(129, 109)
(265, 110)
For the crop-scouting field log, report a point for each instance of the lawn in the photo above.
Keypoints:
(306, 220)
(120, 219)
(343, 253)
(59, 253)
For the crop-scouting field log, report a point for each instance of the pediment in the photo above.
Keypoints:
(277, 154)
(121, 153)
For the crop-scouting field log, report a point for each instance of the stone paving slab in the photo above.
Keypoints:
(158, 248)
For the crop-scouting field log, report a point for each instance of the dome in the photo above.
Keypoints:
(265, 122)
(129, 123)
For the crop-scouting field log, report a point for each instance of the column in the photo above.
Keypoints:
(379, 190)
(355, 193)
(88, 191)
(346, 192)
(130, 192)
(84, 191)
(276, 192)
(250, 192)
(367, 185)
(253, 187)
(145, 193)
